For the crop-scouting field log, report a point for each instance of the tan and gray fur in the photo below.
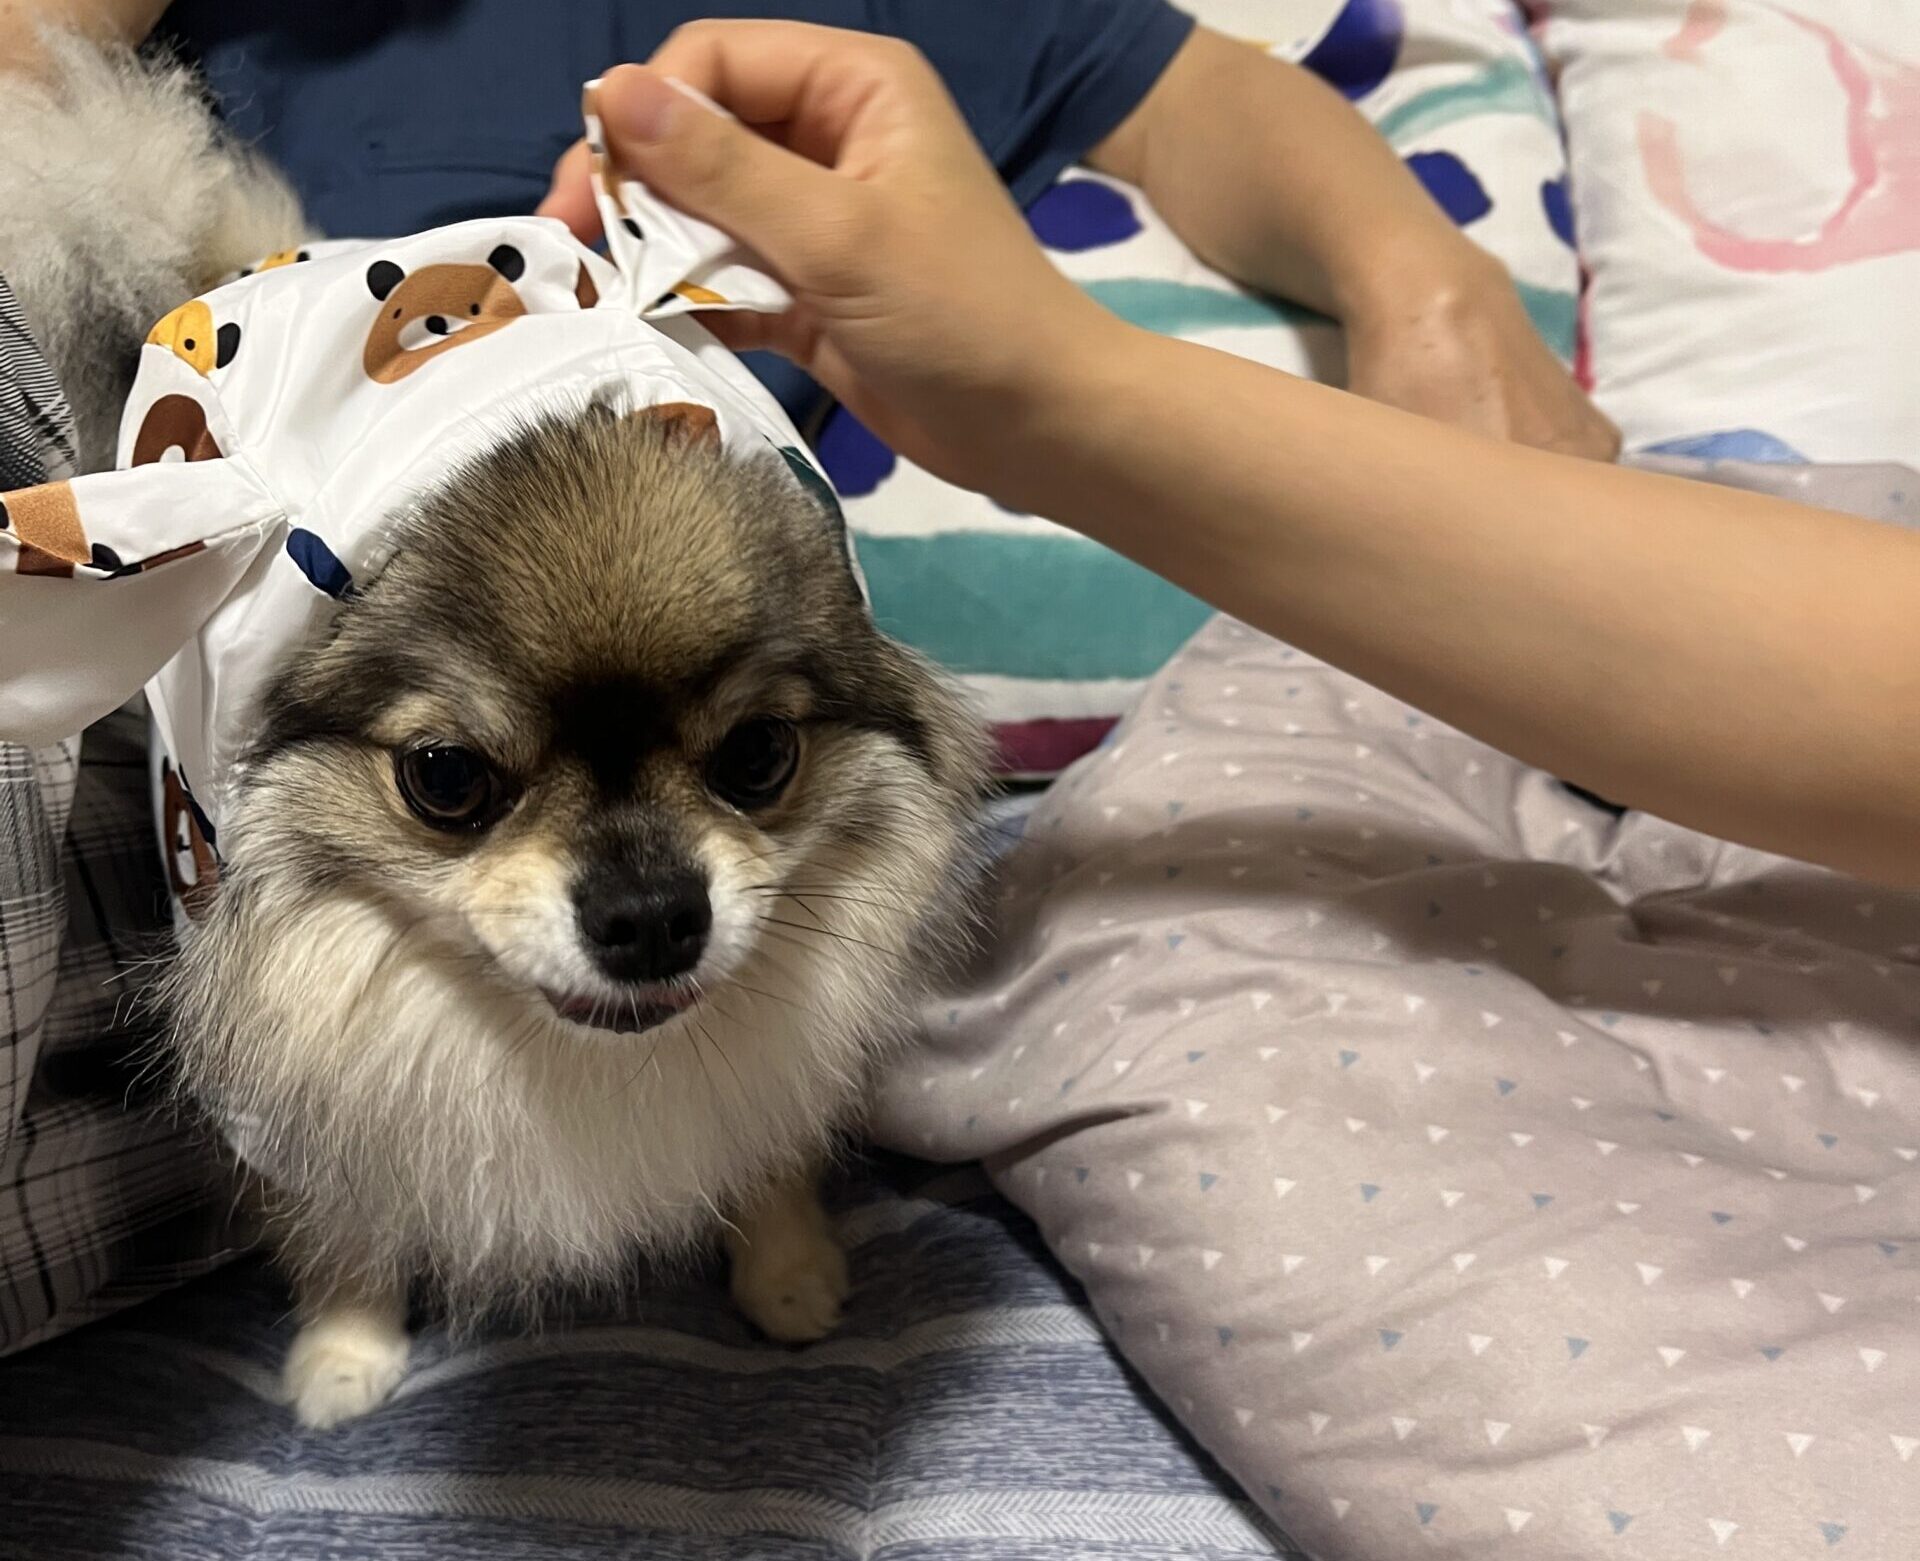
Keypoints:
(594, 606)
(591, 605)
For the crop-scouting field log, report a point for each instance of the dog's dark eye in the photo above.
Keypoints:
(451, 788)
(754, 762)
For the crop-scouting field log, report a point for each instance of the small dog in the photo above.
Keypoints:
(569, 886)
(567, 892)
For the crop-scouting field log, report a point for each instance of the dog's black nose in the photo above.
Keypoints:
(645, 929)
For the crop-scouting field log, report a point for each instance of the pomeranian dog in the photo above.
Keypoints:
(571, 886)
(567, 892)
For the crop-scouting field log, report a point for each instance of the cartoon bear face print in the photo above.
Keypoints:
(193, 869)
(280, 257)
(189, 333)
(437, 308)
(45, 521)
(174, 428)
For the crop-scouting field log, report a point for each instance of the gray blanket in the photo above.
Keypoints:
(1479, 1170)
(969, 1409)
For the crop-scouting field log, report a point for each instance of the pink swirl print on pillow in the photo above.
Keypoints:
(1880, 213)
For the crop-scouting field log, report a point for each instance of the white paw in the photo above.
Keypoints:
(791, 1285)
(339, 1370)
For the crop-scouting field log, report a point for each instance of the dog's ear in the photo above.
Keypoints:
(508, 261)
(226, 342)
(683, 422)
(383, 276)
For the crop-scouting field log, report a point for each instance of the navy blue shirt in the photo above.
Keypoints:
(390, 116)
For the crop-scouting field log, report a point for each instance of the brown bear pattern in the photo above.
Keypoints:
(174, 422)
(191, 336)
(279, 258)
(45, 521)
(193, 869)
(685, 421)
(437, 308)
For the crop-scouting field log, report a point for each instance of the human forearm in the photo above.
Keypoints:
(1271, 176)
(1735, 663)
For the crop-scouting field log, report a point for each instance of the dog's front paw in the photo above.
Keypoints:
(342, 1367)
(791, 1282)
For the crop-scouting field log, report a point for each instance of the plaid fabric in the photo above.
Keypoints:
(101, 1201)
(36, 425)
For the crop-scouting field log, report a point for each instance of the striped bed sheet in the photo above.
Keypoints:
(970, 1409)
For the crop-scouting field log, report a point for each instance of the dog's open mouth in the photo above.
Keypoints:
(627, 1014)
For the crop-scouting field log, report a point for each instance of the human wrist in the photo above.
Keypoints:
(1058, 414)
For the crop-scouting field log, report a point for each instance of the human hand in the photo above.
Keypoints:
(920, 298)
(26, 26)
(1464, 351)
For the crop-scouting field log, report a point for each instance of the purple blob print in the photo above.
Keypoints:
(855, 460)
(1451, 182)
(1082, 214)
(1559, 209)
(1357, 52)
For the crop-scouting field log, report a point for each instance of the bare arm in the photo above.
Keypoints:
(1742, 665)
(1270, 176)
(1736, 663)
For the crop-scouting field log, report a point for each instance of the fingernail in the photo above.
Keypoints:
(643, 106)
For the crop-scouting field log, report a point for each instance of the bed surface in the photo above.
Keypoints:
(970, 1408)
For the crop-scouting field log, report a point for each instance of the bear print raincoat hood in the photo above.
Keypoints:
(279, 421)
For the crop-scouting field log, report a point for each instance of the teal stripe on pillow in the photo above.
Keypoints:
(1504, 86)
(1184, 308)
(1002, 604)
(1175, 308)
(1555, 316)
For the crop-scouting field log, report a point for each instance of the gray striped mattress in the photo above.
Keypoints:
(969, 1410)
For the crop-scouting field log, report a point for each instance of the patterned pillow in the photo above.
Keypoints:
(1753, 269)
(1055, 634)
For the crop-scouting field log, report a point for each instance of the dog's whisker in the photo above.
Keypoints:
(824, 931)
(772, 997)
(721, 1052)
(803, 895)
(652, 1052)
(881, 895)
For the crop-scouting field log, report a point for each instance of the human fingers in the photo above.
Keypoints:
(791, 211)
(570, 194)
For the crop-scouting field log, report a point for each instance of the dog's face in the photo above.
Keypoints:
(610, 692)
(610, 746)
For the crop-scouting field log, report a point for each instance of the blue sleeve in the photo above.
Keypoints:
(1041, 82)
(390, 116)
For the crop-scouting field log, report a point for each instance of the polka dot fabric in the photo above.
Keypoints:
(1055, 635)
(1469, 1167)
(1476, 1171)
